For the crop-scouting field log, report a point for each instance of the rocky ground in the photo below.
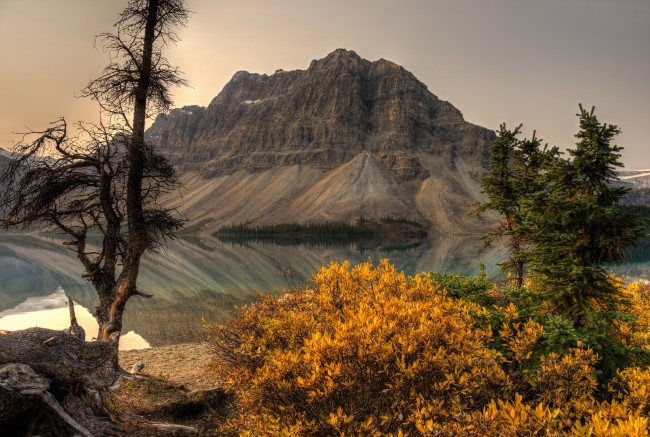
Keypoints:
(180, 364)
(172, 395)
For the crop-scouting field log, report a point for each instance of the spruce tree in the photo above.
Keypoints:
(515, 174)
(577, 231)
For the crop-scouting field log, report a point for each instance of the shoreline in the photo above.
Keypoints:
(182, 364)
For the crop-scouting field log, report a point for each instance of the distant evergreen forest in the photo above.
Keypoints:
(338, 234)
(641, 252)
(642, 210)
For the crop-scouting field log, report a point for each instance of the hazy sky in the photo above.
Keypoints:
(513, 61)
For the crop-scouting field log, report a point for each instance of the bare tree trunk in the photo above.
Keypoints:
(519, 272)
(516, 250)
(111, 308)
(137, 229)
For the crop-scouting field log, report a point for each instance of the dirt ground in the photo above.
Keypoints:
(180, 364)
(163, 393)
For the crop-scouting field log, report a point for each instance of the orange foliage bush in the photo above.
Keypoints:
(636, 333)
(366, 351)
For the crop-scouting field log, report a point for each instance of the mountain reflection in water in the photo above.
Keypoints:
(207, 278)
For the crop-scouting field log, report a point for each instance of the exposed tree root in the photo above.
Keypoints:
(56, 374)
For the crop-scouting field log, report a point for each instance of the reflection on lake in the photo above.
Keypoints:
(193, 279)
(52, 312)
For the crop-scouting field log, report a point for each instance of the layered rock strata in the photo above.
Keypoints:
(345, 137)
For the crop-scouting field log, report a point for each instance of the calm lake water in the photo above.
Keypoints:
(207, 278)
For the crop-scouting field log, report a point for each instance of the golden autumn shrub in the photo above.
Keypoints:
(364, 350)
(636, 331)
(361, 350)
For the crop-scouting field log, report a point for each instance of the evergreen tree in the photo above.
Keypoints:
(576, 231)
(515, 174)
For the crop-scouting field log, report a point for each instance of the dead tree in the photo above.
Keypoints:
(105, 179)
(102, 184)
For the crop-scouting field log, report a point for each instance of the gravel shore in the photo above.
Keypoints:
(182, 364)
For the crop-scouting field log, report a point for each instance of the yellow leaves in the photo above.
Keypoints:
(580, 430)
(636, 332)
(632, 388)
(360, 335)
(338, 419)
(569, 382)
(365, 351)
(520, 340)
(511, 312)
(618, 424)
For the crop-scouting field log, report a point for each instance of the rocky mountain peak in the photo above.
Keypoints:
(164, 122)
(384, 66)
(242, 74)
(343, 138)
(339, 59)
(322, 117)
(342, 53)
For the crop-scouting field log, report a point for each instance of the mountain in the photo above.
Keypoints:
(5, 157)
(638, 181)
(635, 178)
(346, 137)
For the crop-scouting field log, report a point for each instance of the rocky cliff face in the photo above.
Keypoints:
(638, 181)
(4, 157)
(323, 117)
(635, 178)
(399, 149)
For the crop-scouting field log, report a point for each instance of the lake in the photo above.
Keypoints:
(207, 278)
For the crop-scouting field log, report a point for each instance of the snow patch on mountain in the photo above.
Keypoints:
(242, 74)
(637, 174)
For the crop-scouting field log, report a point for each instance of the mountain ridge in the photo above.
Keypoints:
(343, 138)
(323, 116)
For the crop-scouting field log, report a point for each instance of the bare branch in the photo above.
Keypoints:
(106, 180)
(142, 293)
